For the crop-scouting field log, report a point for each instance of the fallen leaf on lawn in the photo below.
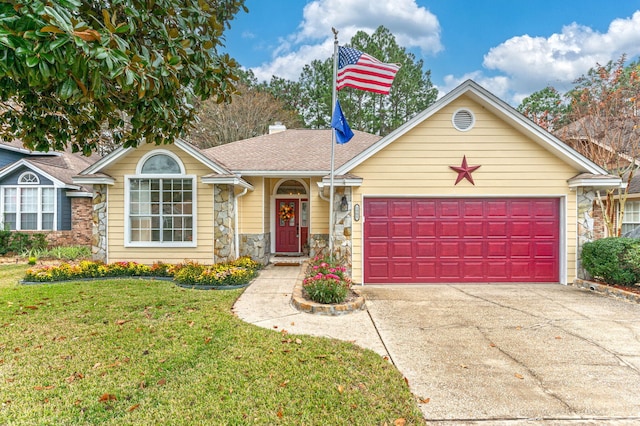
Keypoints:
(280, 414)
(285, 383)
(142, 385)
(464, 366)
(97, 365)
(399, 422)
(207, 340)
(106, 397)
(293, 323)
(161, 361)
(39, 388)
(340, 388)
(519, 376)
(425, 400)
(275, 326)
(406, 381)
(493, 345)
(77, 402)
(519, 327)
(133, 407)
(120, 322)
(558, 337)
(298, 341)
(9, 380)
(33, 308)
(192, 323)
(162, 382)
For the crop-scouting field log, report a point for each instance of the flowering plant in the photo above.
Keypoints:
(286, 212)
(326, 282)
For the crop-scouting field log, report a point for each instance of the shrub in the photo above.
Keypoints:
(326, 282)
(20, 242)
(613, 260)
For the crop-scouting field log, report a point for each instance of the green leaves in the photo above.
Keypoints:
(89, 67)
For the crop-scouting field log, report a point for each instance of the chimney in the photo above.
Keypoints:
(277, 128)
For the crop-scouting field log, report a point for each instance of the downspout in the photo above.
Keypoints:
(235, 208)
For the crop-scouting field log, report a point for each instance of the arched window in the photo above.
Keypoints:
(160, 164)
(291, 187)
(28, 206)
(28, 178)
(161, 205)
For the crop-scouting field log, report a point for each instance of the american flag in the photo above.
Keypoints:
(364, 72)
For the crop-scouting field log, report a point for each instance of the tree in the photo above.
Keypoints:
(71, 69)
(412, 90)
(545, 108)
(605, 127)
(249, 115)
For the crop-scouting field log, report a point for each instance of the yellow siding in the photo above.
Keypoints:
(116, 220)
(251, 208)
(319, 210)
(417, 164)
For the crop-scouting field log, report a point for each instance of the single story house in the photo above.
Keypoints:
(468, 191)
(37, 194)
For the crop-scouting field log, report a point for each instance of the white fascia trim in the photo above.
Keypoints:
(326, 181)
(25, 162)
(99, 180)
(198, 155)
(227, 181)
(105, 161)
(598, 183)
(282, 173)
(79, 194)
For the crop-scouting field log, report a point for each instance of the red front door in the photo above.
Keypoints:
(287, 219)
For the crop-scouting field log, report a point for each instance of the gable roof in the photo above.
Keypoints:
(498, 107)
(58, 166)
(292, 151)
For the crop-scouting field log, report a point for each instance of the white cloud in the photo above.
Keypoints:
(413, 26)
(531, 63)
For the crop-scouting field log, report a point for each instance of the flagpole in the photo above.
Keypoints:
(333, 140)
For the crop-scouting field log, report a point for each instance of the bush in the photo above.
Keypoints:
(613, 260)
(20, 242)
(326, 282)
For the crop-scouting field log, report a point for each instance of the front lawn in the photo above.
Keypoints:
(132, 351)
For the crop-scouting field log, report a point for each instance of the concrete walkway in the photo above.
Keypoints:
(523, 354)
(267, 303)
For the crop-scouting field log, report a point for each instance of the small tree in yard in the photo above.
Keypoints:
(605, 127)
(72, 69)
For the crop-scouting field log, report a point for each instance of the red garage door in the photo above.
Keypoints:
(461, 240)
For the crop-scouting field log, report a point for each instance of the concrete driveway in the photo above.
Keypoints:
(512, 354)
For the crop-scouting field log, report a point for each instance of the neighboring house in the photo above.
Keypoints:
(37, 194)
(615, 145)
(469, 190)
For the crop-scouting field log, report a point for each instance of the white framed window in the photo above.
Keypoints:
(160, 203)
(28, 208)
(631, 216)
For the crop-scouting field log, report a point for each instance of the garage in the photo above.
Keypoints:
(461, 240)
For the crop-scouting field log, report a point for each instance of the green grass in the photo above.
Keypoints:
(148, 352)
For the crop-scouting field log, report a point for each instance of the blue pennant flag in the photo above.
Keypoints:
(338, 122)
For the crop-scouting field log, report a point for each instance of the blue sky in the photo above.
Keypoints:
(511, 47)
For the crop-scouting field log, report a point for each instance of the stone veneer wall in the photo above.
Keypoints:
(224, 223)
(589, 227)
(99, 232)
(318, 245)
(256, 246)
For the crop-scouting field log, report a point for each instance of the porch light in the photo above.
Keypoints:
(344, 204)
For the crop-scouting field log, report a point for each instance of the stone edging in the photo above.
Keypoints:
(310, 307)
(606, 290)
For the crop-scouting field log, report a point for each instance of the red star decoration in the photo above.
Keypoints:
(464, 171)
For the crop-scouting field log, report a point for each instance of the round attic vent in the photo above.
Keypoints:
(463, 120)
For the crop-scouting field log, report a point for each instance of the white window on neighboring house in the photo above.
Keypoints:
(631, 217)
(28, 206)
(160, 203)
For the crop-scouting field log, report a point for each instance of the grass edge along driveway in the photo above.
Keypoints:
(131, 351)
